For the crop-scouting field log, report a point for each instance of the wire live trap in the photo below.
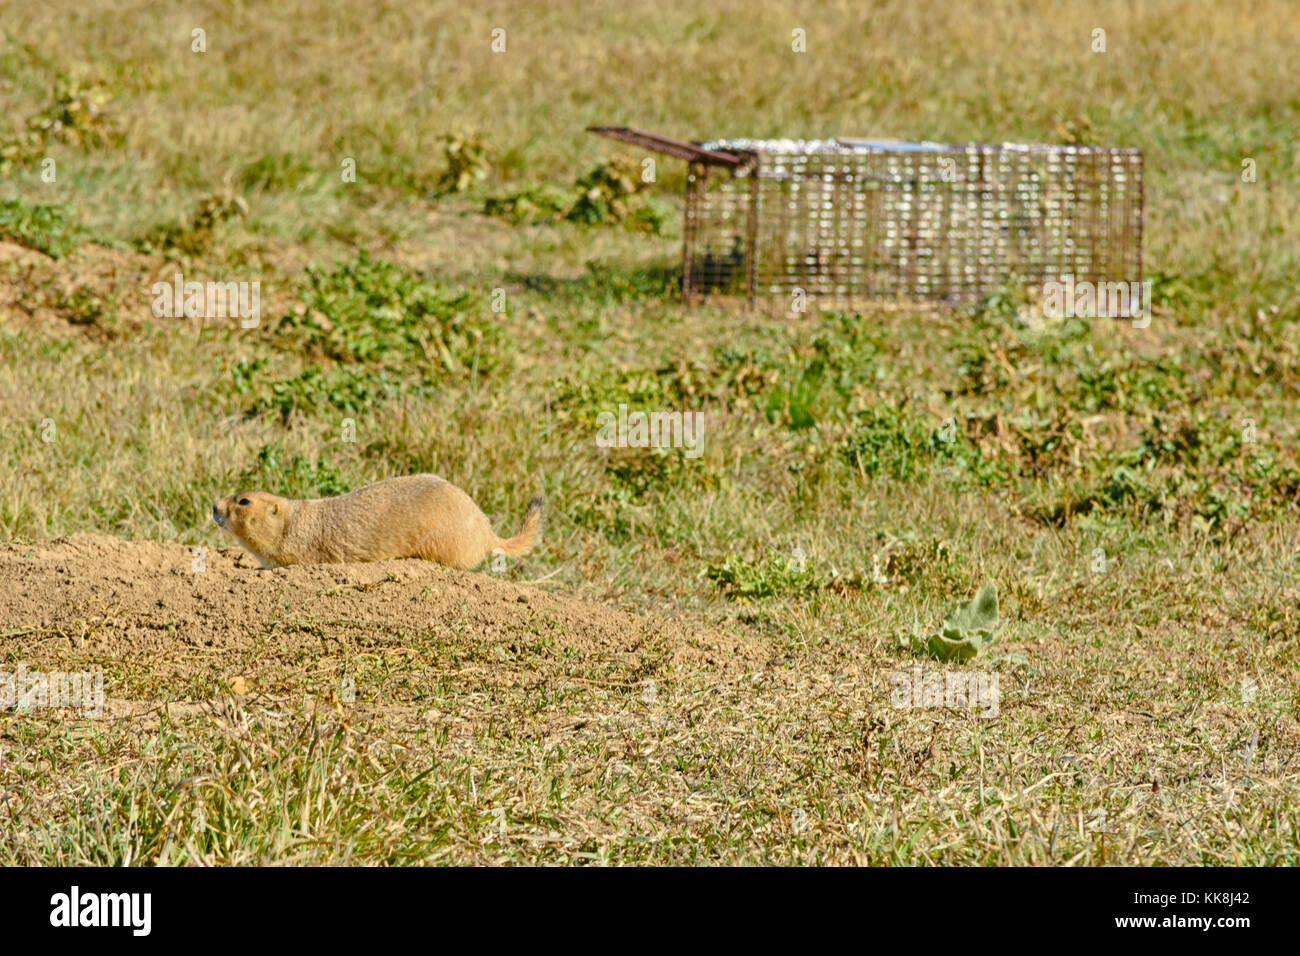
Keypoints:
(843, 221)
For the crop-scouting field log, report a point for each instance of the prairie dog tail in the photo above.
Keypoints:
(529, 532)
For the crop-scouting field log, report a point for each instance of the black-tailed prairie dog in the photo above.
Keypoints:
(417, 516)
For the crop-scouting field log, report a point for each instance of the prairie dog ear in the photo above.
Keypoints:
(274, 508)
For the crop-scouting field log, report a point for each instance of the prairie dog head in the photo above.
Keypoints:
(256, 519)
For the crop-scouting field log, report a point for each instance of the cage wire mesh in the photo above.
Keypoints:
(843, 221)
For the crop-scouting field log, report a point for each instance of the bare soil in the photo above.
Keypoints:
(170, 623)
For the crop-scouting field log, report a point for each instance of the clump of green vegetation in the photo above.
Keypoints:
(851, 349)
(636, 472)
(777, 575)
(370, 310)
(197, 233)
(84, 305)
(467, 163)
(538, 203)
(968, 629)
(794, 404)
(292, 477)
(782, 575)
(40, 226)
(885, 442)
(826, 375)
(920, 561)
(1002, 306)
(611, 193)
(315, 390)
(577, 401)
(581, 397)
(77, 117)
(1183, 468)
(728, 378)
(277, 171)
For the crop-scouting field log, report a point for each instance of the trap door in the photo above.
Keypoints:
(720, 234)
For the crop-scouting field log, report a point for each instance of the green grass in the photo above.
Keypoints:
(39, 226)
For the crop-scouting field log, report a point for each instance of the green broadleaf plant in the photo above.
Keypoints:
(968, 629)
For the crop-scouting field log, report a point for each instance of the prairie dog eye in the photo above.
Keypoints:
(244, 501)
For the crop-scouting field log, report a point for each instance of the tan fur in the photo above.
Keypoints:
(417, 516)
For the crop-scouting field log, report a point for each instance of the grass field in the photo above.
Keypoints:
(1134, 493)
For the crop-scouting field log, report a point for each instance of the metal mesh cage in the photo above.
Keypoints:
(845, 220)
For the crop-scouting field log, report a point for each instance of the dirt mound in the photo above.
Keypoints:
(99, 291)
(168, 621)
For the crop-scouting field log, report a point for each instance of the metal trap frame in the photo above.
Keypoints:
(838, 222)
